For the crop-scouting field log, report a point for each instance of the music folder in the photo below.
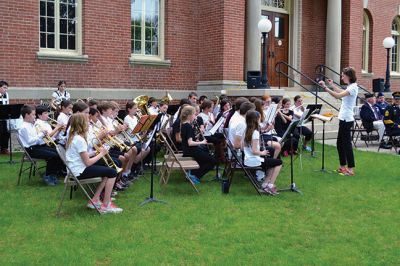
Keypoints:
(314, 109)
(10, 111)
(144, 123)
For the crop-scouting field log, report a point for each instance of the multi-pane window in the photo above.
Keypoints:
(58, 24)
(365, 42)
(274, 3)
(395, 49)
(145, 27)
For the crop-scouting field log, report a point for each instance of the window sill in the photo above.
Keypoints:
(395, 75)
(366, 74)
(149, 62)
(62, 57)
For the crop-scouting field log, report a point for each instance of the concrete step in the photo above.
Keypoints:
(331, 134)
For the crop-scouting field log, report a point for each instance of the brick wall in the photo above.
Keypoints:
(205, 40)
(313, 35)
(106, 40)
(382, 14)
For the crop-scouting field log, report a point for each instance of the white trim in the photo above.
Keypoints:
(365, 45)
(285, 10)
(78, 33)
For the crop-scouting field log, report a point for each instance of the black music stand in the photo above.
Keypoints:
(323, 119)
(314, 109)
(155, 126)
(10, 111)
(289, 134)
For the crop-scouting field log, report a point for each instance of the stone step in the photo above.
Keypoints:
(328, 134)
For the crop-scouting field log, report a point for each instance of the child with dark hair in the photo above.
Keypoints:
(254, 156)
(31, 137)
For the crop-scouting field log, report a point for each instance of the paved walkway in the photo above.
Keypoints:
(360, 145)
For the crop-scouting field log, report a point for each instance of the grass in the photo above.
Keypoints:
(336, 221)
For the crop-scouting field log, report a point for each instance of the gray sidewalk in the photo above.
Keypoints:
(360, 145)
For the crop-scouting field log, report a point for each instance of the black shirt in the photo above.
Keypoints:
(176, 128)
(187, 132)
(280, 126)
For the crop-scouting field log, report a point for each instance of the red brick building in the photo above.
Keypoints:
(119, 49)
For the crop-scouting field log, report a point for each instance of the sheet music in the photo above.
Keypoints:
(289, 130)
(270, 113)
(304, 115)
(216, 126)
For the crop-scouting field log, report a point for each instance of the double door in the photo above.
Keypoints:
(277, 46)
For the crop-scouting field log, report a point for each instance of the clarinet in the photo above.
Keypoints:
(197, 131)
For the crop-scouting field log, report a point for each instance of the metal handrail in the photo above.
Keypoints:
(320, 72)
(279, 71)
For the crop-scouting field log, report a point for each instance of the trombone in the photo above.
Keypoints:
(106, 158)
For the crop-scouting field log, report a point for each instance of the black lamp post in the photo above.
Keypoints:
(264, 25)
(388, 43)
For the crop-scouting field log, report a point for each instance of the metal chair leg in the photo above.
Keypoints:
(62, 200)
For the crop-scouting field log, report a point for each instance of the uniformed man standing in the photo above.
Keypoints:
(4, 134)
(392, 116)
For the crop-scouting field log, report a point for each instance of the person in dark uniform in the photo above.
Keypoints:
(4, 134)
(392, 116)
(381, 103)
(370, 116)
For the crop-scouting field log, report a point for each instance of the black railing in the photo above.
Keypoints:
(321, 75)
(287, 66)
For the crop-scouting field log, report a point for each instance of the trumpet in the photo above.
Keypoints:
(111, 141)
(123, 135)
(127, 135)
(106, 158)
(46, 138)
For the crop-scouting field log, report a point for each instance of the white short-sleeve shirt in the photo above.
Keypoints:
(59, 96)
(348, 103)
(131, 121)
(73, 157)
(62, 119)
(237, 127)
(251, 159)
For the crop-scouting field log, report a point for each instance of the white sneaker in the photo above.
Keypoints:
(110, 208)
(260, 175)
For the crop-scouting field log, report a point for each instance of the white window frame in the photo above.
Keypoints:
(396, 33)
(57, 53)
(271, 8)
(365, 47)
(153, 59)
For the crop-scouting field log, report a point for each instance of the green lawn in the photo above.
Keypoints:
(337, 220)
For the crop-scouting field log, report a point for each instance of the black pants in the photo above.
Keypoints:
(54, 163)
(205, 161)
(305, 131)
(393, 132)
(98, 171)
(4, 135)
(343, 144)
(270, 163)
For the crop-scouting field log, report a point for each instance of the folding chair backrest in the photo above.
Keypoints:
(26, 154)
(167, 135)
(62, 153)
(356, 112)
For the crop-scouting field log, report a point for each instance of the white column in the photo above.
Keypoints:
(253, 39)
(334, 35)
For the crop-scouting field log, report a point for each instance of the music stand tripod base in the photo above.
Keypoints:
(151, 199)
(292, 188)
